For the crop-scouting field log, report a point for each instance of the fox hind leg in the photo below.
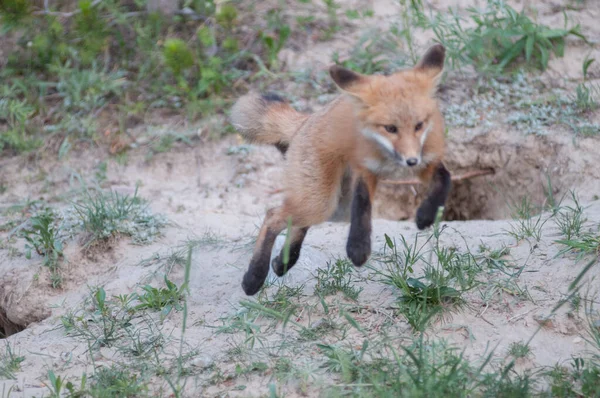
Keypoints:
(297, 237)
(254, 278)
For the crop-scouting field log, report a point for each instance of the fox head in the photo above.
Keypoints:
(397, 112)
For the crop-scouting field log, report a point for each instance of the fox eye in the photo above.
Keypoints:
(390, 128)
(419, 126)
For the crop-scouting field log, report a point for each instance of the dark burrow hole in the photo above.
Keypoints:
(492, 174)
(8, 328)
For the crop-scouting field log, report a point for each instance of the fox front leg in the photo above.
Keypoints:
(439, 181)
(358, 247)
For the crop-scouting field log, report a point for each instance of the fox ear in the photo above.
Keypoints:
(346, 79)
(432, 63)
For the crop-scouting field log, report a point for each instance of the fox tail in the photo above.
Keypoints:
(266, 119)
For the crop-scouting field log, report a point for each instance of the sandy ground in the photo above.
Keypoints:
(206, 188)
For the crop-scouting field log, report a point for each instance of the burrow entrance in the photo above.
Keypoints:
(8, 328)
(491, 172)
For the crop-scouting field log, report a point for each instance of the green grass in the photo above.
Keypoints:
(42, 236)
(114, 382)
(528, 220)
(82, 60)
(337, 277)
(106, 215)
(500, 38)
(519, 350)
(164, 299)
(10, 362)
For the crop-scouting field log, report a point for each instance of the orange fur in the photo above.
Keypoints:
(346, 137)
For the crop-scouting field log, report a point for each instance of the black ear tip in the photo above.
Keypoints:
(334, 70)
(438, 48)
(434, 57)
(342, 76)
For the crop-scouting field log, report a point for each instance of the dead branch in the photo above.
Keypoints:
(460, 177)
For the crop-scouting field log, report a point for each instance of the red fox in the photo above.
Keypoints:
(335, 157)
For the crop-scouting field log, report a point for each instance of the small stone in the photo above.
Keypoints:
(577, 340)
(544, 320)
(203, 362)
(317, 323)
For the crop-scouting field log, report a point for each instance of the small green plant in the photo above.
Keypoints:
(519, 350)
(85, 91)
(13, 12)
(275, 41)
(587, 62)
(10, 363)
(114, 382)
(107, 215)
(421, 303)
(282, 299)
(102, 324)
(337, 277)
(60, 387)
(586, 97)
(423, 299)
(333, 24)
(177, 56)
(587, 243)
(340, 360)
(92, 31)
(570, 219)
(501, 36)
(42, 236)
(579, 380)
(227, 16)
(164, 299)
(528, 220)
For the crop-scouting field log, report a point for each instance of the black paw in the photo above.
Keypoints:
(426, 216)
(252, 283)
(278, 267)
(358, 251)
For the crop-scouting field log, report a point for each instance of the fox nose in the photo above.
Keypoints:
(412, 161)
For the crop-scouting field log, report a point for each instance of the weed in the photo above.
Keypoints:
(332, 19)
(165, 299)
(519, 350)
(340, 360)
(375, 52)
(587, 243)
(59, 386)
(586, 97)
(569, 219)
(423, 299)
(102, 325)
(579, 380)
(528, 221)
(13, 12)
(86, 90)
(501, 37)
(537, 114)
(274, 41)
(281, 300)
(420, 303)
(109, 382)
(42, 236)
(178, 56)
(10, 363)
(317, 330)
(245, 322)
(107, 215)
(337, 277)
